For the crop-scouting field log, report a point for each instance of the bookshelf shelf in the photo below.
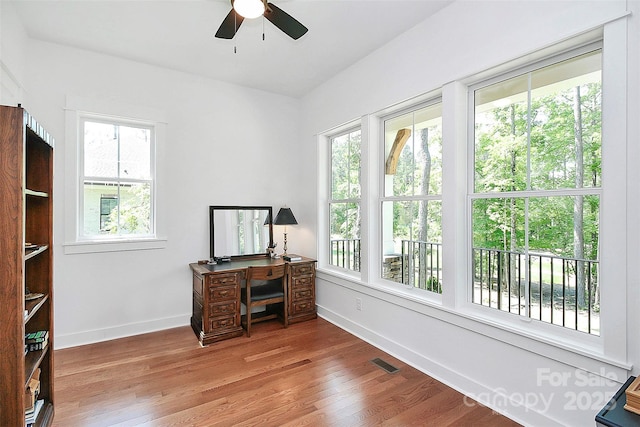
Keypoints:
(32, 361)
(30, 253)
(31, 307)
(34, 193)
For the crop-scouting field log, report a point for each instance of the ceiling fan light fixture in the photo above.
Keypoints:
(241, 9)
(249, 8)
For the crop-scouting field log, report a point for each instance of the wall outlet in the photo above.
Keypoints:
(358, 304)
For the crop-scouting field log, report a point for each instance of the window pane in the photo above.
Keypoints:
(108, 203)
(345, 166)
(96, 211)
(565, 226)
(498, 224)
(135, 209)
(501, 138)
(135, 152)
(110, 208)
(538, 256)
(566, 124)
(413, 150)
(499, 264)
(100, 149)
(345, 235)
(412, 243)
(549, 119)
(344, 227)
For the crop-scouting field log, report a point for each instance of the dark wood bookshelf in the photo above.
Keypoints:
(26, 215)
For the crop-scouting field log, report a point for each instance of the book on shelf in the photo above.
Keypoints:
(33, 389)
(31, 416)
(291, 257)
(37, 346)
(35, 341)
(36, 337)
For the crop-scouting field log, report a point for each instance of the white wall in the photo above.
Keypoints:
(12, 55)
(501, 369)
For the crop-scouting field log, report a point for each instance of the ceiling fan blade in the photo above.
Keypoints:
(230, 25)
(284, 21)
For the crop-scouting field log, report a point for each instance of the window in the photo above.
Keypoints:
(116, 179)
(525, 189)
(107, 204)
(537, 191)
(412, 201)
(344, 203)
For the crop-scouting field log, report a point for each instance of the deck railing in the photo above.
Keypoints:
(557, 290)
(419, 264)
(422, 265)
(345, 253)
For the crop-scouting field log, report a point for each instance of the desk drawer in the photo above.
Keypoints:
(223, 293)
(302, 293)
(224, 279)
(302, 307)
(222, 323)
(222, 309)
(303, 281)
(301, 269)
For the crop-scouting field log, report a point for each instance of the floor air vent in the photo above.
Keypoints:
(389, 368)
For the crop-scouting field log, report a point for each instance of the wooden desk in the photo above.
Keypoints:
(216, 295)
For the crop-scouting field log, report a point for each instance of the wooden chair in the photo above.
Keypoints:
(272, 295)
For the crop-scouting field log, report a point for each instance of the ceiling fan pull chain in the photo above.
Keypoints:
(235, 26)
(262, 27)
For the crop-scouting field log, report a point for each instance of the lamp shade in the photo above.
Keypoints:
(285, 217)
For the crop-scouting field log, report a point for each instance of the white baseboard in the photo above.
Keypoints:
(120, 331)
(467, 386)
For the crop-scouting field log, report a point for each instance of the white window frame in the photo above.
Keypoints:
(358, 201)
(324, 189)
(92, 118)
(411, 108)
(528, 192)
(609, 346)
(80, 109)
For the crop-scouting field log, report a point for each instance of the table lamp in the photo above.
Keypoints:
(285, 217)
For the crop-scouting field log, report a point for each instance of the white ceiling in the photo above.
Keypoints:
(178, 34)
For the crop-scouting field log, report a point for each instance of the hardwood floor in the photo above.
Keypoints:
(312, 373)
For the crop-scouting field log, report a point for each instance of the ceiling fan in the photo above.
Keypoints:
(241, 9)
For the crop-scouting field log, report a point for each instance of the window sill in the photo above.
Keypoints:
(405, 292)
(116, 245)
